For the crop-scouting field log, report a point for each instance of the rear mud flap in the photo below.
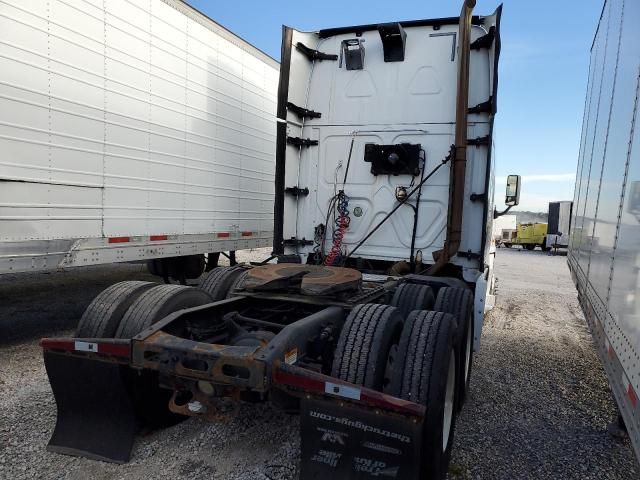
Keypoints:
(340, 442)
(96, 418)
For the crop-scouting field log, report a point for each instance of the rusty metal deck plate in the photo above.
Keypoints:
(308, 279)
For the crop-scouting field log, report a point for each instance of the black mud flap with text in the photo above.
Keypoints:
(340, 442)
(96, 418)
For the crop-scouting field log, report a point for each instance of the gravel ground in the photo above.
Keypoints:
(539, 405)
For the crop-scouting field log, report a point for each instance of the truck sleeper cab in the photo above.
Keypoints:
(368, 323)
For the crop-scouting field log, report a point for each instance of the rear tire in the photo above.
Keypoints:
(459, 303)
(150, 401)
(409, 297)
(237, 284)
(155, 304)
(104, 313)
(218, 281)
(425, 373)
(365, 341)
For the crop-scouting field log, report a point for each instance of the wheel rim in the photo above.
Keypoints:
(467, 358)
(391, 358)
(448, 402)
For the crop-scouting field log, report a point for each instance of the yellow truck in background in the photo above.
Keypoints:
(529, 236)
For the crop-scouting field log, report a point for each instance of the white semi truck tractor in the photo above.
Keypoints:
(382, 227)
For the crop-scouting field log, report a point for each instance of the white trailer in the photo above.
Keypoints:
(130, 131)
(604, 250)
(559, 224)
(503, 227)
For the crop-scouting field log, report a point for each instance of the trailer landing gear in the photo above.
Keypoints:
(186, 267)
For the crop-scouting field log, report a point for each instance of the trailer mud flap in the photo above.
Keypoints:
(340, 442)
(96, 418)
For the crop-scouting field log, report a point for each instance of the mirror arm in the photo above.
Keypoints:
(497, 214)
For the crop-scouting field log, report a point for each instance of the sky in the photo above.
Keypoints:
(543, 72)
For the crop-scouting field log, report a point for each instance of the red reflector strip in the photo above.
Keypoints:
(312, 382)
(57, 344)
(156, 238)
(120, 349)
(247, 234)
(119, 239)
(115, 349)
(633, 397)
(224, 234)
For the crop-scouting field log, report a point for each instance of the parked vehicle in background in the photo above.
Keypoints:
(131, 131)
(383, 210)
(502, 226)
(559, 225)
(529, 236)
(604, 248)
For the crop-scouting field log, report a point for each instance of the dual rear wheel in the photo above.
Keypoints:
(414, 359)
(419, 348)
(459, 303)
(126, 309)
(123, 311)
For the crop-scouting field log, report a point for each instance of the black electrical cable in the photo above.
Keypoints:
(335, 199)
(388, 215)
(346, 170)
(416, 210)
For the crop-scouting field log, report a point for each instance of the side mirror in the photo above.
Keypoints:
(513, 191)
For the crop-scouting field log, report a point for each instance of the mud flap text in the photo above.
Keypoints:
(341, 442)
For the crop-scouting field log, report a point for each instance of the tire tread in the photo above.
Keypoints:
(217, 281)
(368, 329)
(103, 315)
(410, 296)
(148, 307)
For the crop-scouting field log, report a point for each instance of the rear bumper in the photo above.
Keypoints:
(183, 361)
(347, 431)
(220, 364)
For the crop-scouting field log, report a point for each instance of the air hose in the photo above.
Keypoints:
(341, 224)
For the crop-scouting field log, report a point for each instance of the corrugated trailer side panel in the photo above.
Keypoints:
(604, 255)
(564, 218)
(131, 118)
